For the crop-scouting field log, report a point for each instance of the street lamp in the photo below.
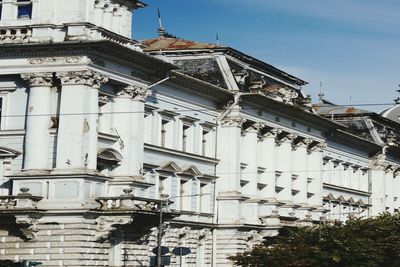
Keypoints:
(165, 199)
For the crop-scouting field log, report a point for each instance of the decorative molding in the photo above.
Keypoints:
(86, 77)
(38, 79)
(204, 233)
(57, 60)
(288, 95)
(28, 226)
(105, 225)
(135, 91)
(183, 231)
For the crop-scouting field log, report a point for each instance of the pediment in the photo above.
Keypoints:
(7, 153)
(170, 166)
(191, 170)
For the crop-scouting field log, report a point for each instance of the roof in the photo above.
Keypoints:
(392, 113)
(172, 44)
(332, 109)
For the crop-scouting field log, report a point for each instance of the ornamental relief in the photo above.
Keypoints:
(58, 60)
(135, 91)
(85, 77)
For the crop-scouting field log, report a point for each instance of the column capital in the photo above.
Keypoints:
(288, 138)
(272, 133)
(303, 142)
(255, 127)
(135, 92)
(234, 121)
(84, 77)
(318, 147)
(37, 79)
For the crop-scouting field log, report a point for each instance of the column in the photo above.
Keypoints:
(268, 210)
(268, 157)
(301, 171)
(315, 187)
(284, 165)
(228, 169)
(250, 175)
(38, 121)
(300, 184)
(129, 122)
(77, 131)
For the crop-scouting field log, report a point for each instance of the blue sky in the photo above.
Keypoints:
(351, 46)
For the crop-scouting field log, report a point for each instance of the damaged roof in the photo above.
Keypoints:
(172, 44)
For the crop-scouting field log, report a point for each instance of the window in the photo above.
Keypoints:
(24, 9)
(185, 134)
(163, 132)
(1, 7)
(1, 108)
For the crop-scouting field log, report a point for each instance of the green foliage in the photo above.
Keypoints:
(359, 242)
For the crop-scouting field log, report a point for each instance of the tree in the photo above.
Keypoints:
(359, 242)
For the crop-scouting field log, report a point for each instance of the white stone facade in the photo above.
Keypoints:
(96, 134)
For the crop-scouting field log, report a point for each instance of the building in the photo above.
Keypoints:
(98, 131)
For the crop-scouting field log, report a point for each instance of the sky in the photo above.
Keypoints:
(351, 47)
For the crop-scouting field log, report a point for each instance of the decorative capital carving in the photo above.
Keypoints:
(305, 142)
(233, 121)
(135, 91)
(86, 77)
(38, 79)
(273, 133)
(105, 225)
(288, 138)
(318, 147)
(255, 127)
(378, 162)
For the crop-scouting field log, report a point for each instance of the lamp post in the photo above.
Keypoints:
(160, 222)
(165, 199)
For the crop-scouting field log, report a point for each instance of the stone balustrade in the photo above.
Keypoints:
(15, 35)
(127, 201)
(23, 200)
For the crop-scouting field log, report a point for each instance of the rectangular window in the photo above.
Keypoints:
(1, 110)
(163, 132)
(1, 7)
(24, 9)
(185, 137)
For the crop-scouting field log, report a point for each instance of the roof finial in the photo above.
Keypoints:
(161, 29)
(321, 95)
(217, 36)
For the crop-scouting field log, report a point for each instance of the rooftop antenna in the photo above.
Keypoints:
(397, 100)
(161, 29)
(321, 95)
(217, 36)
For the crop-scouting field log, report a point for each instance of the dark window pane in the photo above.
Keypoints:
(25, 10)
